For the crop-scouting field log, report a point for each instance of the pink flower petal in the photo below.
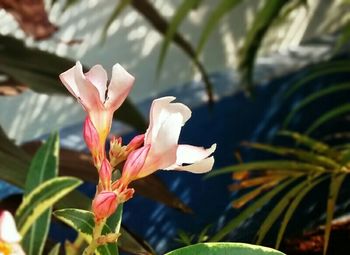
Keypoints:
(119, 87)
(161, 109)
(89, 95)
(199, 167)
(81, 88)
(8, 230)
(98, 77)
(188, 154)
(197, 157)
(68, 81)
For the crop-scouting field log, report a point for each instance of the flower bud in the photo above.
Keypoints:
(134, 164)
(135, 143)
(92, 141)
(105, 174)
(117, 152)
(104, 204)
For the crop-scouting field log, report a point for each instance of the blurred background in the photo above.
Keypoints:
(250, 70)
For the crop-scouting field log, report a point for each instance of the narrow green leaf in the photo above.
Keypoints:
(131, 244)
(43, 167)
(55, 250)
(249, 211)
(44, 164)
(261, 24)
(293, 206)
(336, 182)
(287, 165)
(120, 7)
(83, 222)
(224, 248)
(307, 141)
(313, 97)
(278, 210)
(343, 38)
(314, 74)
(223, 8)
(42, 198)
(114, 222)
(329, 115)
(181, 13)
(304, 155)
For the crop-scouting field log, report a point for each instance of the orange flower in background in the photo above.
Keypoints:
(161, 149)
(98, 100)
(9, 236)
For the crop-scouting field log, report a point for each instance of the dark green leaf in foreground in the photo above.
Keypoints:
(224, 248)
(43, 167)
(83, 222)
(42, 198)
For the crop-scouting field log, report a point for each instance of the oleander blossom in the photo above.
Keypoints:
(9, 236)
(161, 149)
(98, 100)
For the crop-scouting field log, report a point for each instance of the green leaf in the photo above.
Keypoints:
(42, 198)
(181, 13)
(114, 222)
(304, 155)
(329, 115)
(223, 8)
(336, 182)
(293, 206)
(55, 250)
(115, 14)
(313, 97)
(43, 167)
(318, 72)
(307, 141)
(83, 222)
(261, 24)
(29, 66)
(287, 165)
(249, 211)
(224, 248)
(278, 210)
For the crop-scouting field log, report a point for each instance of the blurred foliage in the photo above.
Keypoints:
(302, 168)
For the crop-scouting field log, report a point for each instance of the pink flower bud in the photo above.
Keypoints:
(134, 164)
(92, 141)
(105, 174)
(104, 204)
(136, 142)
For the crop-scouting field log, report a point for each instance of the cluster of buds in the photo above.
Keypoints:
(118, 152)
(157, 149)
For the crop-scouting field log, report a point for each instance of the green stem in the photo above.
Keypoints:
(95, 235)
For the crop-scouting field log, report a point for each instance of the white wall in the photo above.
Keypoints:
(135, 44)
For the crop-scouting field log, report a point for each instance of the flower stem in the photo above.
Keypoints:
(95, 235)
